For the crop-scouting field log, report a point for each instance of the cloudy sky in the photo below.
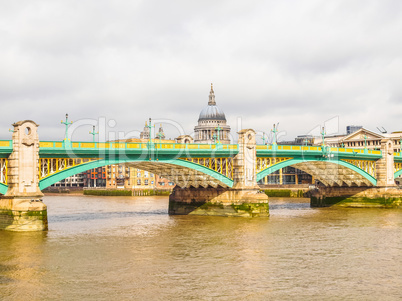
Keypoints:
(117, 63)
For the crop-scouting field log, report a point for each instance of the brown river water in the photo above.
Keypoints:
(129, 248)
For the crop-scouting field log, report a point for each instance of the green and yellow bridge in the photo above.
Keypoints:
(195, 165)
(212, 179)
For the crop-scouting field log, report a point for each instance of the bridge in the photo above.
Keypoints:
(204, 173)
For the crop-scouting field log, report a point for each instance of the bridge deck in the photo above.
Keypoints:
(96, 149)
(206, 162)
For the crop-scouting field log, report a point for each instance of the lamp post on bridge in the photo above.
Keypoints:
(325, 149)
(323, 137)
(218, 129)
(150, 143)
(305, 141)
(365, 143)
(93, 133)
(400, 146)
(263, 138)
(214, 137)
(159, 135)
(274, 131)
(66, 141)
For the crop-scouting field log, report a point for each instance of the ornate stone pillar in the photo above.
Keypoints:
(245, 176)
(385, 166)
(23, 201)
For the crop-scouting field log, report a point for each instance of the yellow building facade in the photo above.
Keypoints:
(122, 176)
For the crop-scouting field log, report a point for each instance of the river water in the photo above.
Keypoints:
(129, 248)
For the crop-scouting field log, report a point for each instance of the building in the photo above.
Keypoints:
(184, 139)
(75, 181)
(121, 176)
(145, 133)
(299, 140)
(304, 140)
(287, 175)
(163, 183)
(362, 138)
(160, 134)
(95, 177)
(352, 128)
(212, 124)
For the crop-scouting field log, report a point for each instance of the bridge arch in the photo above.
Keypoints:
(183, 173)
(3, 188)
(397, 173)
(329, 172)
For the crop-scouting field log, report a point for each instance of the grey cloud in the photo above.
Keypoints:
(296, 62)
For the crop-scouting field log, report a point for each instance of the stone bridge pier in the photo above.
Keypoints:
(243, 199)
(21, 208)
(385, 165)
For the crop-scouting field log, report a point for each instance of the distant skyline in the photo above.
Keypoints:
(299, 63)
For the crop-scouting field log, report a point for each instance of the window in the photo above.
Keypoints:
(138, 175)
(171, 183)
(146, 182)
(138, 182)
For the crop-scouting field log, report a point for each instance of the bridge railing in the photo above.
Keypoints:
(135, 145)
(6, 147)
(317, 149)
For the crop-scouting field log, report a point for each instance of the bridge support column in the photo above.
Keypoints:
(243, 199)
(21, 208)
(385, 165)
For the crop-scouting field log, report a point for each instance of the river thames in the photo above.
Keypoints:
(129, 248)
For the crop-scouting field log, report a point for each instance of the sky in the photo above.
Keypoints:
(114, 64)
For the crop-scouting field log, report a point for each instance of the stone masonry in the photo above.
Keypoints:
(385, 165)
(22, 209)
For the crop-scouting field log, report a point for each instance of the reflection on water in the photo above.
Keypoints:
(130, 249)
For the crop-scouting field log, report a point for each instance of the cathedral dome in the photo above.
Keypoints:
(212, 127)
(212, 111)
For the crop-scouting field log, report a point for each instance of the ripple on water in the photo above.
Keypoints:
(130, 248)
